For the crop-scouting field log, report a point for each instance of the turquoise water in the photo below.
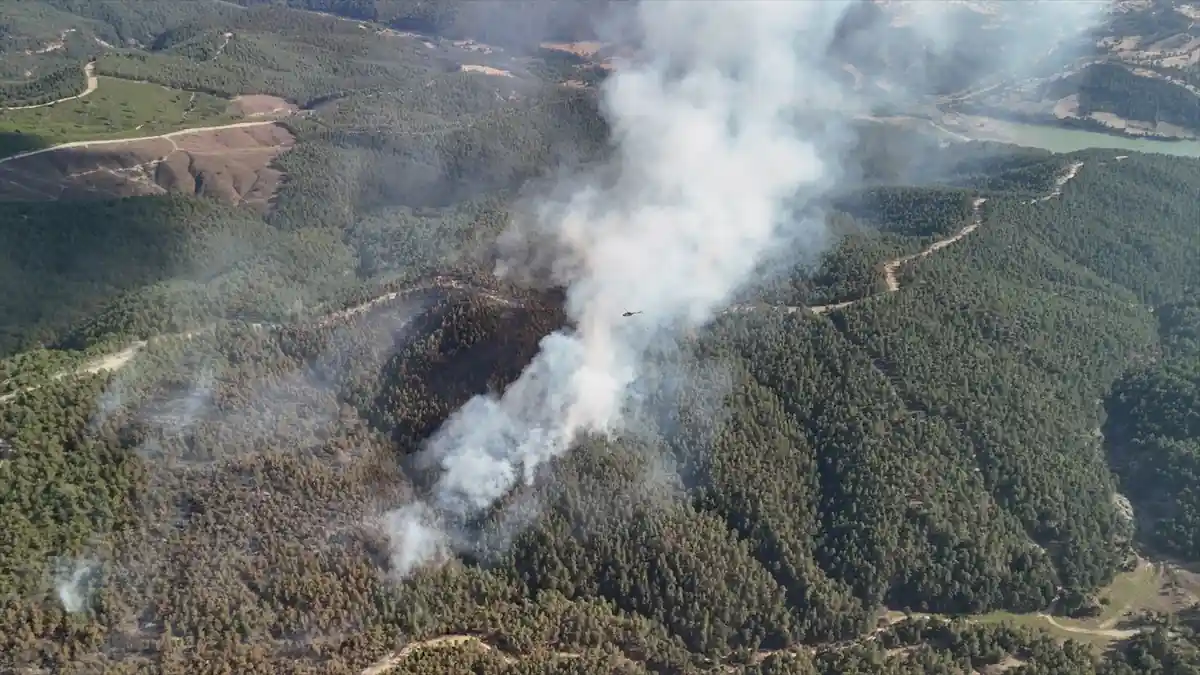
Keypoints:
(1056, 139)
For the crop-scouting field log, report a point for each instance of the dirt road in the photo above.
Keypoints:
(452, 640)
(1114, 633)
(116, 141)
(225, 37)
(891, 267)
(1061, 182)
(114, 362)
(118, 360)
(93, 83)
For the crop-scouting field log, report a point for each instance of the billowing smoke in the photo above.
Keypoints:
(727, 126)
(712, 162)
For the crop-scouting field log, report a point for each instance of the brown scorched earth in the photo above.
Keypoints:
(230, 162)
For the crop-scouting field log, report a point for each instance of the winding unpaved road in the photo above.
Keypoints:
(93, 83)
(890, 267)
(449, 641)
(114, 362)
(117, 360)
(117, 141)
(439, 282)
(225, 37)
(457, 640)
(445, 641)
(1061, 182)
(1113, 633)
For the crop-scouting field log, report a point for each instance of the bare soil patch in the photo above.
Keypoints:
(585, 50)
(1006, 664)
(261, 105)
(232, 164)
(1067, 107)
(486, 70)
(596, 53)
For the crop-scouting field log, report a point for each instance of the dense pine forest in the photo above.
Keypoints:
(65, 81)
(1153, 433)
(205, 412)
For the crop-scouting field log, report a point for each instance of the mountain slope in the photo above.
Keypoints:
(896, 452)
(199, 463)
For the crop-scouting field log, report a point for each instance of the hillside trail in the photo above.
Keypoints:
(225, 37)
(458, 640)
(93, 83)
(892, 267)
(113, 361)
(1113, 633)
(117, 141)
(117, 360)
(445, 641)
(219, 127)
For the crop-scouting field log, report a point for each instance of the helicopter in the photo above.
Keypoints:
(629, 314)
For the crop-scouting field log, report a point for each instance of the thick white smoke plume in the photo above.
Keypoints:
(710, 159)
(724, 129)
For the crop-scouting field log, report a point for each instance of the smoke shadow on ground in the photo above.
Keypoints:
(16, 142)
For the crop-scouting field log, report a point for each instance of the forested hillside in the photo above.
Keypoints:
(892, 458)
(299, 56)
(859, 461)
(1154, 434)
(1112, 88)
(517, 24)
(64, 81)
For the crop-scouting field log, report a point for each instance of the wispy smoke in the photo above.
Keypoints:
(72, 584)
(727, 127)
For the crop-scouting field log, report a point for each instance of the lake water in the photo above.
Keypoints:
(1056, 139)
